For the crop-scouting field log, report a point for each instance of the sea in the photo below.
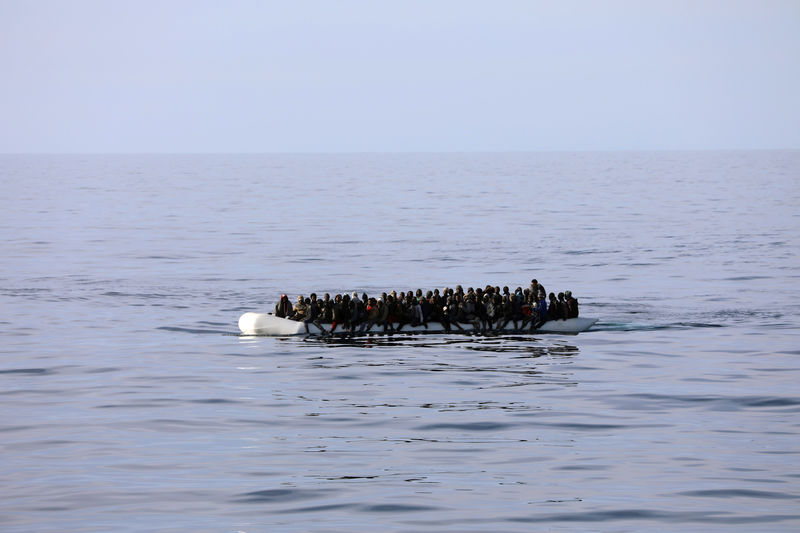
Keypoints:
(130, 402)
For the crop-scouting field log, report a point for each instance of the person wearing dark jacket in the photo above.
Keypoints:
(337, 312)
(553, 309)
(572, 305)
(562, 305)
(314, 314)
(327, 309)
(356, 312)
(283, 309)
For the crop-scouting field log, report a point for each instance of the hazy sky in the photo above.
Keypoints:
(262, 76)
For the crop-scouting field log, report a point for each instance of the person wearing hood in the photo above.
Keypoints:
(283, 309)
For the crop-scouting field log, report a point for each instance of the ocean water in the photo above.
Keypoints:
(128, 401)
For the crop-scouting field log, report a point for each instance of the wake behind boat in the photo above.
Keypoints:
(268, 324)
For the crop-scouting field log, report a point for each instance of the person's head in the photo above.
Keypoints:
(314, 296)
(568, 294)
(300, 298)
(552, 296)
(327, 296)
(560, 295)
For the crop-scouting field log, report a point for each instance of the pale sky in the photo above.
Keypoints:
(330, 76)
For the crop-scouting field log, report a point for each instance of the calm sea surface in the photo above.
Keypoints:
(128, 402)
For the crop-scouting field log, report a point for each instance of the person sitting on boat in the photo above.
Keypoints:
(541, 311)
(525, 308)
(283, 308)
(553, 309)
(494, 310)
(314, 302)
(426, 303)
(453, 310)
(439, 313)
(562, 304)
(469, 311)
(383, 314)
(347, 311)
(337, 312)
(314, 313)
(327, 309)
(300, 309)
(413, 311)
(537, 287)
(572, 305)
(506, 312)
(356, 312)
(481, 309)
(371, 315)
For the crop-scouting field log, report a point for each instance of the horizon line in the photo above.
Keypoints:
(402, 152)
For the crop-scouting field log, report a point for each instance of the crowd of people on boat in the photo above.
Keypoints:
(489, 309)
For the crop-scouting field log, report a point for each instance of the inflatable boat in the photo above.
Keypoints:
(268, 324)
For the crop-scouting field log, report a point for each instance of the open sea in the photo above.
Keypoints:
(129, 402)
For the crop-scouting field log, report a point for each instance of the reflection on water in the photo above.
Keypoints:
(530, 346)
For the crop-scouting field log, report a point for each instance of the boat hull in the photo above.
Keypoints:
(267, 324)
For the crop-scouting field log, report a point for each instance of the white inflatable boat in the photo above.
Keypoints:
(268, 324)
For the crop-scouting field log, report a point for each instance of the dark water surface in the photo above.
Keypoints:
(129, 403)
